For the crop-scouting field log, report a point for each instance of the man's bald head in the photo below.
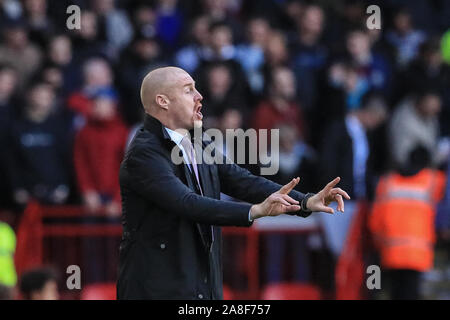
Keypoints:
(169, 95)
(158, 81)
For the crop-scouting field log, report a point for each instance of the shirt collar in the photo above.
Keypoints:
(175, 136)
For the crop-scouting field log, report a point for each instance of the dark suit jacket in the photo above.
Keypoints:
(166, 250)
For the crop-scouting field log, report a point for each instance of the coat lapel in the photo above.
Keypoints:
(191, 184)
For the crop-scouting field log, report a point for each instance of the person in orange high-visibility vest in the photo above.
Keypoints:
(402, 223)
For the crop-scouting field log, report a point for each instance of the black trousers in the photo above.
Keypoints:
(403, 284)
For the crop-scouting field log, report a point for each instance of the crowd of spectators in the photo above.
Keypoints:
(68, 98)
(349, 101)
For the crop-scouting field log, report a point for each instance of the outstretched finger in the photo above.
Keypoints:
(288, 187)
(331, 184)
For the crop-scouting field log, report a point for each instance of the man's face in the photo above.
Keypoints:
(358, 43)
(312, 20)
(98, 74)
(41, 98)
(284, 84)
(104, 109)
(221, 37)
(185, 102)
(219, 81)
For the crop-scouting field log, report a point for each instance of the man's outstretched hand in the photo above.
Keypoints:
(322, 200)
(277, 203)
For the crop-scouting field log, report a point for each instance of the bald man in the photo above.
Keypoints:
(171, 243)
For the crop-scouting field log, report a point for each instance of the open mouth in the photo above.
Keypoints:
(198, 112)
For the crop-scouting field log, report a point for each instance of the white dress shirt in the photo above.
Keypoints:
(177, 137)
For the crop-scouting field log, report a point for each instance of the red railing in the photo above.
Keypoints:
(33, 231)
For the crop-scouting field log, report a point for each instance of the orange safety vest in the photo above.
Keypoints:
(402, 219)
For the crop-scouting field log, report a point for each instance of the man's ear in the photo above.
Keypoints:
(162, 101)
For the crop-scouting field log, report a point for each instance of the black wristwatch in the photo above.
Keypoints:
(304, 201)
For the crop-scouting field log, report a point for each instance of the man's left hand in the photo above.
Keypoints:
(322, 200)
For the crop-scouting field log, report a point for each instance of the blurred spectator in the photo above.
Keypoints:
(371, 66)
(346, 152)
(428, 70)
(59, 55)
(405, 38)
(222, 50)
(39, 284)
(221, 42)
(344, 88)
(350, 16)
(143, 55)
(39, 24)
(52, 75)
(189, 56)
(143, 16)
(276, 54)
(406, 249)
(97, 74)
(309, 55)
(98, 152)
(39, 162)
(87, 41)
(415, 121)
(251, 53)
(116, 25)
(169, 23)
(280, 106)
(346, 142)
(18, 51)
(296, 159)
(224, 10)
(220, 94)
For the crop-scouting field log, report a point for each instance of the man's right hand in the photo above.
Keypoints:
(277, 203)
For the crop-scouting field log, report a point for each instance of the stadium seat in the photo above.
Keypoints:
(291, 291)
(99, 291)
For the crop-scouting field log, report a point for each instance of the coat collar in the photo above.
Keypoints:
(155, 126)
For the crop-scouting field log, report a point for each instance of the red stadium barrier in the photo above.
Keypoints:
(34, 232)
